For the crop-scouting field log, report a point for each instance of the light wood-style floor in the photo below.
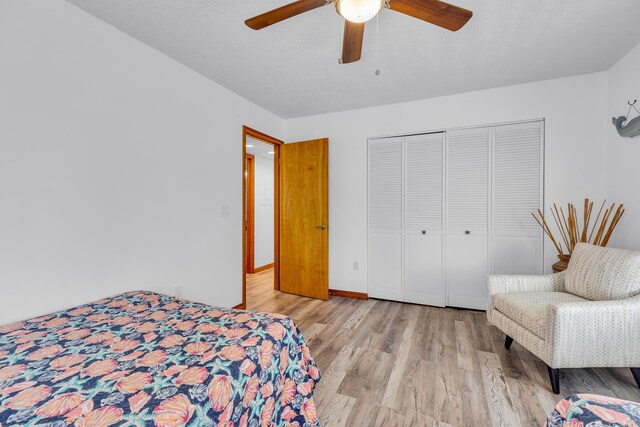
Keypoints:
(389, 364)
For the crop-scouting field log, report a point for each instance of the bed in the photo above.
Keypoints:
(145, 359)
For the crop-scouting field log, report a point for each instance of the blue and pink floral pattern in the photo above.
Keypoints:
(592, 410)
(145, 359)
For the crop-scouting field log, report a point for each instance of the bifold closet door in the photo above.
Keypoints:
(467, 213)
(385, 210)
(423, 218)
(517, 192)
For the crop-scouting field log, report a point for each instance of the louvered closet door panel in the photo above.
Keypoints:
(385, 184)
(385, 206)
(467, 260)
(424, 160)
(468, 181)
(517, 192)
(424, 179)
(467, 195)
(385, 265)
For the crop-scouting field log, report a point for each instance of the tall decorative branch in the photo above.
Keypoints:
(569, 226)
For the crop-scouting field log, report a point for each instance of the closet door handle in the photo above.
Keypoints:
(424, 232)
(467, 231)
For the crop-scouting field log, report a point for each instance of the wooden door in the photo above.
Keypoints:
(304, 215)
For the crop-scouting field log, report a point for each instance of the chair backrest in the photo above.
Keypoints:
(600, 274)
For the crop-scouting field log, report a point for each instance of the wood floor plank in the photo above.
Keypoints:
(333, 344)
(620, 382)
(366, 381)
(538, 378)
(392, 394)
(530, 411)
(385, 363)
(465, 344)
(501, 406)
(426, 344)
(388, 417)
(333, 376)
(509, 359)
(447, 331)
(473, 397)
(360, 313)
(398, 326)
(576, 382)
(448, 402)
(417, 396)
(336, 410)
(311, 332)
(481, 330)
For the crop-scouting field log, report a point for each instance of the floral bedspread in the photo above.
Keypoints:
(592, 410)
(145, 359)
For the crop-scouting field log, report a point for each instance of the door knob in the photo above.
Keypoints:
(424, 232)
(321, 227)
(467, 232)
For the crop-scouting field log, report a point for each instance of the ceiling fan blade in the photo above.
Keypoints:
(352, 42)
(280, 14)
(436, 12)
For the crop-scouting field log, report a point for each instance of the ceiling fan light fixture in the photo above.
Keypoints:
(358, 11)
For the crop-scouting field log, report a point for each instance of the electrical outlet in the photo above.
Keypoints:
(224, 211)
(356, 266)
(179, 291)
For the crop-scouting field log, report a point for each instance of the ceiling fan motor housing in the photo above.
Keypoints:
(358, 11)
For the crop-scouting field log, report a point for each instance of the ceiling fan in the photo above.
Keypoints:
(357, 12)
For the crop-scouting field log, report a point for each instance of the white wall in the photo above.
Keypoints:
(575, 113)
(623, 82)
(114, 163)
(263, 215)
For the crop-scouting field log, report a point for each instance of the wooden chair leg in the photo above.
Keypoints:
(507, 342)
(554, 376)
(636, 375)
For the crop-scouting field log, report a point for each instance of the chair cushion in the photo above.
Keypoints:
(529, 309)
(602, 274)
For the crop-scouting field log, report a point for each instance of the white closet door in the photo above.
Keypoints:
(423, 207)
(385, 196)
(517, 192)
(467, 213)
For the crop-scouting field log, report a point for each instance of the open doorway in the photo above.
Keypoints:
(261, 212)
(260, 206)
(299, 202)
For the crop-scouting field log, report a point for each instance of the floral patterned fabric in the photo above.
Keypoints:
(592, 410)
(145, 359)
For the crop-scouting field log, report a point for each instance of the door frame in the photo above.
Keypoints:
(276, 143)
(249, 212)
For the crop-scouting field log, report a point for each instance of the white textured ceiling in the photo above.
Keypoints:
(259, 148)
(292, 67)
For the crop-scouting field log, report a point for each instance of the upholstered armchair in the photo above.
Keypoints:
(587, 316)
